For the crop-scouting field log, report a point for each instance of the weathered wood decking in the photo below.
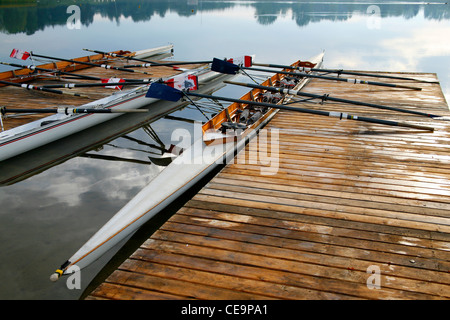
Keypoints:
(338, 201)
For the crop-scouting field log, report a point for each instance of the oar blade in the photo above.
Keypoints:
(183, 82)
(163, 92)
(244, 61)
(223, 66)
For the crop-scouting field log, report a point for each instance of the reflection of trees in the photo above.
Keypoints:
(267, 13)
(305, 13)
(31, 16)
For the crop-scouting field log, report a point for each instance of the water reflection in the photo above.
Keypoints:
(129, 138)
(52, 211)
(34, 16)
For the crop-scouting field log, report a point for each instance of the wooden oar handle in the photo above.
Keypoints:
(416, 126)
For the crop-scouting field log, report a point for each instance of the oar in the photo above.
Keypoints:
(227, 67)
(105, 66)
(111, 84)
(160, 91)
(148, 62)
(87, 85)
(67, 110)
(355, 81)
(145, 65)
(81, 76)
(31, 87)
(326, 97)
(339, 72)
(31, 67)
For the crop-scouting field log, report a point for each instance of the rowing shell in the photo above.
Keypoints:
(46, 130)
(29, 74)
(186, 170)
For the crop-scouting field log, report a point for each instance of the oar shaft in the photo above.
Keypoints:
(87, 85)
(338, 71)
(327, 97)
(31, 87)
(359, 81)
(81, 76)
(355, 81)
(166, 64)
(66, 110)
(32, 67)
(105, 66)
(316, 112)
(395, 123)
(151, 63)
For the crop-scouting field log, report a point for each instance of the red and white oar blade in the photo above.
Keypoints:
(19, 54)
(243, 61)
(184, 82)
(113, 80)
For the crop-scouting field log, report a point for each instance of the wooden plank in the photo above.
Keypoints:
(371, 201)
(272, 280)
(297, 223)
(324, 220)
(347, 212)
(311, 248)
(299, 207)
(240, 287)
(116, 291)
(342, 237)
(170, 281)
(338, 165)
(344, 185)
(295, 193)
(226, 251)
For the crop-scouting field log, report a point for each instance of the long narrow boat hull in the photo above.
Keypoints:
(30, 163)
(184, 172)
(26, 74)
(46, 130)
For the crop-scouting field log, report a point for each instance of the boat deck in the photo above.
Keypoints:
(15, 97)
(317, 208)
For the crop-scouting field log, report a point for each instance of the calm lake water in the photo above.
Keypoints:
(45, 218)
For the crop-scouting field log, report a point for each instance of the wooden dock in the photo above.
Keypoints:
(343, 210)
